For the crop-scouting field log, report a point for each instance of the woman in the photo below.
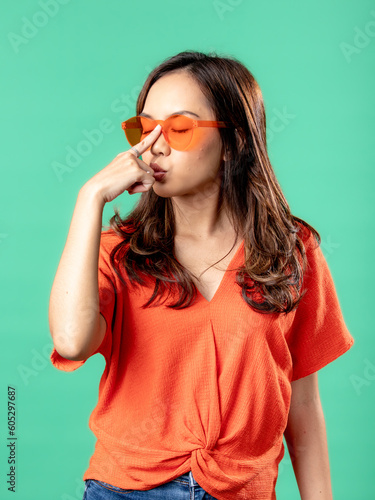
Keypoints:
(211, 303)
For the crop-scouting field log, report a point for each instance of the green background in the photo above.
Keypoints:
(65, 72)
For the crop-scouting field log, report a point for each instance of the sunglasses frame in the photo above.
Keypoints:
(195, 124)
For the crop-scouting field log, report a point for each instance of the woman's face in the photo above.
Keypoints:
(190, 172)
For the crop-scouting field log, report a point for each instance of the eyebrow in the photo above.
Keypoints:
(182, 112)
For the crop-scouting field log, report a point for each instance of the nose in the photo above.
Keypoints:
(160, 145)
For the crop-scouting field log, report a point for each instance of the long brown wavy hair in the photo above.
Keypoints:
(275, 259)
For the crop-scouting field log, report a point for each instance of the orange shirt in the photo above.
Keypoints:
(205, 388)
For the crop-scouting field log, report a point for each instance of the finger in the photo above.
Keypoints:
(145, 167)
(146, 143)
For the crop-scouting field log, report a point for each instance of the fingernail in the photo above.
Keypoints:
(158, 127)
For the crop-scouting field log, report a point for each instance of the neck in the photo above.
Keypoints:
(199, 217)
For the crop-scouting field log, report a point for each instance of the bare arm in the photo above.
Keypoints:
(306, 439)
(76, 325)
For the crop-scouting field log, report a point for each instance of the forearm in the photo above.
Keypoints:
(306, 439)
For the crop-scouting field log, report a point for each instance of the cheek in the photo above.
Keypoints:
(199, 140)
(208, 149)
(205, 139)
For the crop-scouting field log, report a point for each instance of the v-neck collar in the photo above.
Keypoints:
(224, 278)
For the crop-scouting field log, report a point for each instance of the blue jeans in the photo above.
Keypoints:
(183, 487)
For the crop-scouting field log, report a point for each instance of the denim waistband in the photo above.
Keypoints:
(188, 476)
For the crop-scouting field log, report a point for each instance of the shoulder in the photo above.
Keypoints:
(309, 240)
(109, 239)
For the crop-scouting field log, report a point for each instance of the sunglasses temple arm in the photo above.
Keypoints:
(206, 123)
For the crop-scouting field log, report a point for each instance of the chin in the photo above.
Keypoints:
(160, 192)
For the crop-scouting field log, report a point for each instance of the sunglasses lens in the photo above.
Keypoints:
(179, 130)
(133, 130)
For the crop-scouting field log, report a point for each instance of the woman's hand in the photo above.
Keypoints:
(125, 173)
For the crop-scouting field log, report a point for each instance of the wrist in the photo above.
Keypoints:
(92, 195)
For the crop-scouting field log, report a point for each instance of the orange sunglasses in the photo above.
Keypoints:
(180, 131)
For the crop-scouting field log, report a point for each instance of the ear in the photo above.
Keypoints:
(224, 154)
(240, 140)
(241, 146)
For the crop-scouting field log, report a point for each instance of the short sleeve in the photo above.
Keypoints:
(318, 334)
(107, 304)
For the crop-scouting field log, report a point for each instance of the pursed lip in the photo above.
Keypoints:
(155, 167)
